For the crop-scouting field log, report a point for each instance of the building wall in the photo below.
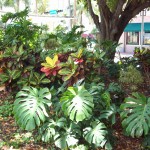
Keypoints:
(64, 18)
(127, 48)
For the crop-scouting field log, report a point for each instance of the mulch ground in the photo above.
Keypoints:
(8, 129)
(124, 142)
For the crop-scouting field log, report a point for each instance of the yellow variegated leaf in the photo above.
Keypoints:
(77, 54)
(80, 53)
(50, 62)
(65, 78)
(64, 71)
(55, 59)
(45, 65)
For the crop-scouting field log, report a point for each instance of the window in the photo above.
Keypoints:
(133, 38)
(147, 38)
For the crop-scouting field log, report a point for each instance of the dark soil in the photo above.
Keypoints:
(8, 129)
(124, 142)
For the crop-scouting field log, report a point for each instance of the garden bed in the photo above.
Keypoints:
(69, 93)
(11, 137)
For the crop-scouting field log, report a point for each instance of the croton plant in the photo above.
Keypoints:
(51, 66)
(67, 66)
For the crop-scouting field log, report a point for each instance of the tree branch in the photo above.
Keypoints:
(93, 15)
(119, 8)
(106, 16)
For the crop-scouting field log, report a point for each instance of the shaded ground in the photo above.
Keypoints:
(124, 142)
(13, 139)
(8, 134)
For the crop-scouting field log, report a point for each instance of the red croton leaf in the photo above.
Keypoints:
(78, 61)
(49, 71)
(46, 71)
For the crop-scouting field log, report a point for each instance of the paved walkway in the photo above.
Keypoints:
(117, 55)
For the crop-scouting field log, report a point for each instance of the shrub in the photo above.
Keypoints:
(20, 52)
(131, 76)
(143, 57)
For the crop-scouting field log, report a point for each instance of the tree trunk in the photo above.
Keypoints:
(113, 23)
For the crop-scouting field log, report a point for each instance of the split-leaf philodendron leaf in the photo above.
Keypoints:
(30, 107)
(77, 103)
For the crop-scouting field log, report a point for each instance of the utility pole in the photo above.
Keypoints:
(74, 11)
(143, 13)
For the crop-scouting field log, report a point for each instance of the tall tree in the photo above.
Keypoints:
(1, 4)
(80, 9)
(114, 15)
(40, 5)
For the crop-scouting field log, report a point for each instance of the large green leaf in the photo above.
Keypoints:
(65, 140)
(96, 134)
(109, 114)
(30, 107)
(47, 131)
(77, 103)
(136, 115)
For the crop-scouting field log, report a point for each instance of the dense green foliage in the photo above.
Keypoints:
(131, 76)
(68, 91)
(20, 52)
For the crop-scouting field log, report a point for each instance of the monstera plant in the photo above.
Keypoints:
(96, 134)
(77, 103)
(136, 115)
(66, 127)
(30, 107)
